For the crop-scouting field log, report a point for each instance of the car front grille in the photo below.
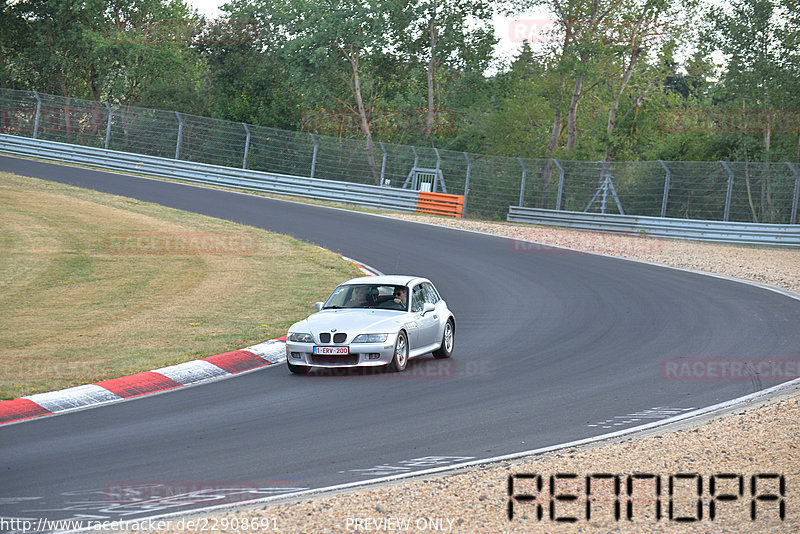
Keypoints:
(339, 337)
(331, 359)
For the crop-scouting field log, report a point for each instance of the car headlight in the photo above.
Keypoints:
(370, 338)
(300, 337)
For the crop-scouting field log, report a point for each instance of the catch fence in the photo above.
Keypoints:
(721, 191)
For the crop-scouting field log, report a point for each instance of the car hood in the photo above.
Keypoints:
(352, 322)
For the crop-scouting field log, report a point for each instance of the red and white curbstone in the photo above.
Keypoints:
(146, 383)
(149, 382)
(366, 269)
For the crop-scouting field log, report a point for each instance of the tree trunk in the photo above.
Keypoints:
(426, 133)
(94, 89)
(572, 117)
(547, 172)
(612, 113)
(67, 109)
(766, 183)
(362, 116)
(747, 170)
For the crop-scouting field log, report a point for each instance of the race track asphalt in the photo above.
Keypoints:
(548, 343)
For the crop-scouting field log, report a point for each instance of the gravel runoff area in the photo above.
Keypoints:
(749, 455)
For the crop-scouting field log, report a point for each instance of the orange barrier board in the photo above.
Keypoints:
(441, 204)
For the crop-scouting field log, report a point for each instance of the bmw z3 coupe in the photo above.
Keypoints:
(373, 321)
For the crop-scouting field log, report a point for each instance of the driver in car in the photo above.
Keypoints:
(401, 296)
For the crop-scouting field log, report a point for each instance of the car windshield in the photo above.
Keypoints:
(383, 296)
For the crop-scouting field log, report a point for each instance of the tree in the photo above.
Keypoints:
(453, 35)
(757, 78)
(249, 75)
(333, 47)
(127, 51)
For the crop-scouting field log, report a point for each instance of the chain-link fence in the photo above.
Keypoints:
(734, 191)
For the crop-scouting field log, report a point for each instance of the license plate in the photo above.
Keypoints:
(332, 350)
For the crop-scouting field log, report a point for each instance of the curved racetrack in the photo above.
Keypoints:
(547, 344)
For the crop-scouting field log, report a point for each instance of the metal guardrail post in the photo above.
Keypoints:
(730, 190)
(560, 184)
(796, 199)
(412, 173)
(606, 174)
(246, 145)
(383, 163)
(38, 113)
(524, 179)
(180, 134)
(439, 174)
(314, 155)
(466, 183)
(108, 125)
(665, 197)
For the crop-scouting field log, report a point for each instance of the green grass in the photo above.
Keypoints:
(76, 308)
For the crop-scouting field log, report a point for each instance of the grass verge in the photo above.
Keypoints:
(97, 286)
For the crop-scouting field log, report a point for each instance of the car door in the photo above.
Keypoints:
(428, 324)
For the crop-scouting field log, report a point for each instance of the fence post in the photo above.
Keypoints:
(108, 125)
(466, 185)
(439, 174)
(413, 169)
(38, 112)
(730, 190)
(180, 134)
(666, 189)
(246, 145)
(383, 163)
(796, 199)
(314, 155)
(560, 184)
(524, 178)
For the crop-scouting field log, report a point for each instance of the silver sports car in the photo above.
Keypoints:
(373, 321)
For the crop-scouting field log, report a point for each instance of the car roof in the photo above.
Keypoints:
(391, 279)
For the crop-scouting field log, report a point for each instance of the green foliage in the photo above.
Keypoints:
(613, 80)
(134, 52)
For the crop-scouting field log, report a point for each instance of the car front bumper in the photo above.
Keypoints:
(359, 354)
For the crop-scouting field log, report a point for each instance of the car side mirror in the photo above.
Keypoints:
(319, 305)
(427, 307)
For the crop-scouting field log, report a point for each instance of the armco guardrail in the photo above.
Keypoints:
(718, 231)
(352, 193)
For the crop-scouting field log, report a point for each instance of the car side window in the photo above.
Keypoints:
(430, 293)
(417, 299)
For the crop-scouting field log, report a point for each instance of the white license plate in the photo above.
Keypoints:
(332, 350)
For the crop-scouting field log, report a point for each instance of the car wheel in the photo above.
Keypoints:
(298, 369)
(400, 358)
(448, 339)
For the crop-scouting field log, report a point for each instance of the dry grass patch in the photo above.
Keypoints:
(97, 286)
